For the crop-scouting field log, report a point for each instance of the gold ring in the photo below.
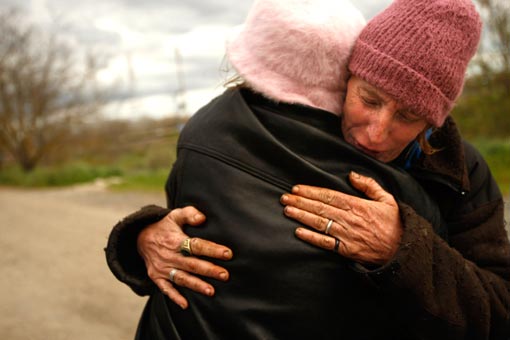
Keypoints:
(185, 248)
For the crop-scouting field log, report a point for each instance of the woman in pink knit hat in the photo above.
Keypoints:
(414, 248)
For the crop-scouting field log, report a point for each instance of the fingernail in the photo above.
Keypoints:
(208, 291)
(295, 189)
(288, 210)
(355, 175)
(284, 199)
(227, 254)
(223, 276)
(183, 306)
(197, 217)
(299, 231)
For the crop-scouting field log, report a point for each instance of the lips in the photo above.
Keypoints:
(365, 150)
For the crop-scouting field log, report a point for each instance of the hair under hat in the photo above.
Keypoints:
(417, 51)
(296, 51)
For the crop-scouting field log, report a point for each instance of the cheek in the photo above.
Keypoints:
(354, 114)
(402, 139)
(409, 134)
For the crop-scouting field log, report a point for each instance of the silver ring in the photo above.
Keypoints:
(330, 223)
(172, 275)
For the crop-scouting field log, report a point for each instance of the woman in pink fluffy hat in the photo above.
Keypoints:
(413, 248)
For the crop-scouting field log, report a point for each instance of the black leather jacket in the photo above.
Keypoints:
(236, 157)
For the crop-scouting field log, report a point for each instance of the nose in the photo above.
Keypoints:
(379, 127)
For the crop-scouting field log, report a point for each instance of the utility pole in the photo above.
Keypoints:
(180, 93)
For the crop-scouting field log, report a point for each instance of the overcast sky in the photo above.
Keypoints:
(137, 42)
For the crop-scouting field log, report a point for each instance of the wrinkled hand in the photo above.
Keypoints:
(159, 246)
(369, 230)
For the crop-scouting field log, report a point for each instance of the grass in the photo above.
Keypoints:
(141, 169)
(68, 174)
(148, 180)
(497, 154)
(147, 168)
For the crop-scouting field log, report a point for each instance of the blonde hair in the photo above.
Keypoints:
(235, 81)
(424, 143)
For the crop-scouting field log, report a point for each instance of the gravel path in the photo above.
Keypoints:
(54, 281)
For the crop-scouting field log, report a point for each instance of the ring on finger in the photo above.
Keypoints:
(328, 226)
(171, 276)
(337, 245)
(185, 247)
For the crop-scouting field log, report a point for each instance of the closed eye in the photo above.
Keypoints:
(408, 116)
(370, 101)
(368, 98)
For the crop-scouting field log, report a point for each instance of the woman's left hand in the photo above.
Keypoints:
(368, 231)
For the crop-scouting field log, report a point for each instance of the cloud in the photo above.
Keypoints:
(137, 41)
(369, 8)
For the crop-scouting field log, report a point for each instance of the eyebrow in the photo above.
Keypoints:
(409, 112)
(372, 92)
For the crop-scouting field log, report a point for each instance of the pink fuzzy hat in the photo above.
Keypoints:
(417, 51)
(296, 51)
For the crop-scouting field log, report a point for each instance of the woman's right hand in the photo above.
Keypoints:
(159, 245)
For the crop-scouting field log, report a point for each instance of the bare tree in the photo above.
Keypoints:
(495, 58)
(44, 89)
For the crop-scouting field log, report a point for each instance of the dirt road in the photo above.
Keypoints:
(54, 282)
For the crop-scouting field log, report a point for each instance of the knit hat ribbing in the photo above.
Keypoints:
(296, 51)
(417, 51)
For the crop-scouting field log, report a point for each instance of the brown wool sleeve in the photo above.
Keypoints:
(121, 251)
(458, 290)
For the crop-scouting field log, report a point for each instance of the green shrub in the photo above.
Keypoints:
(483, 113)
(497, 155)
(143, 180)
(68, 174)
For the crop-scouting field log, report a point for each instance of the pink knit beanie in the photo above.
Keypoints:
(417, 51)
(296, 51)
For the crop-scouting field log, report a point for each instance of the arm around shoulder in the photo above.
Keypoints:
(460, 289)
(121, 251)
